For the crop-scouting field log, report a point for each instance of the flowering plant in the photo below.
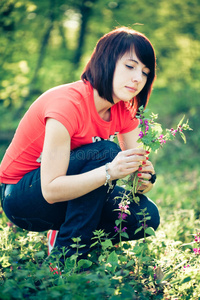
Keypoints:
(123, 212)
(153, 137)
(197, 241)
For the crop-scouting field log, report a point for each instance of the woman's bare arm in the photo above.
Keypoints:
(57, 186)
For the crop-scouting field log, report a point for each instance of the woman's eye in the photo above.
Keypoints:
(145, 74)
(130, 67)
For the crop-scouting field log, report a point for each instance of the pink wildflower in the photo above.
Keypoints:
(116, 229)
(122, 215)
(123, 208)
(161, 140)
(9, 224)
(145, 225)
(196, 250)
(173, 132)
(124, 229)
(197, 238)
(141, 121)
(186, 267)
(141, 134)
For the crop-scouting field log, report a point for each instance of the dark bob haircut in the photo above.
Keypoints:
(111, 47)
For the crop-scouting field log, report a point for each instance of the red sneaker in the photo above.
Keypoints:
(51, 238)
(54, 270)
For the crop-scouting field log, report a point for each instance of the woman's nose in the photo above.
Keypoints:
(137, 76)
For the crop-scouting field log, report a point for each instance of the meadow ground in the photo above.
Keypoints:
(164, 266)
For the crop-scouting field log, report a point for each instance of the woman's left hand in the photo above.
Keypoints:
(144, 175)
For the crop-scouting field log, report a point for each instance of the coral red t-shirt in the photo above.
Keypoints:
(72, 105)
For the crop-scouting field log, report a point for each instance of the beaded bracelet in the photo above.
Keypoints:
(108, 181)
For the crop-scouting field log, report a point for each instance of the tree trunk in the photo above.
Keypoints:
(86, 12)
(41, 57)
(44, 41)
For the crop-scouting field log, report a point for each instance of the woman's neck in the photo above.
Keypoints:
(102, 106)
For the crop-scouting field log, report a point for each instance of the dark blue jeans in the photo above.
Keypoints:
(26, 207)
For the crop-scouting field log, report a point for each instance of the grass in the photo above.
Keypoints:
(158, 267)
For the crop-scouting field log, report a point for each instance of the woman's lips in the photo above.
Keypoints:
(131, 89)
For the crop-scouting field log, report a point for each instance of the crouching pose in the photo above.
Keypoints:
(61, 168)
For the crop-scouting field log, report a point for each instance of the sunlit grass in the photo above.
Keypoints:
(164, 267)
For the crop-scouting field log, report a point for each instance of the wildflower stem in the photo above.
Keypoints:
(120, 231)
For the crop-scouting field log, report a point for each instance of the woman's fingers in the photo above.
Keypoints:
(146, 168)
(146, 176)
(135, 151)
(127, 162)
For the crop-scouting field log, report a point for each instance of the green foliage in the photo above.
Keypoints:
(162, 266)
(156, 268)
(40, 40)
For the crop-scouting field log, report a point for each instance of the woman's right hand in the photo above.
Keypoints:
(127, 162)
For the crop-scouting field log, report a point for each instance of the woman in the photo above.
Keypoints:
(61, 168)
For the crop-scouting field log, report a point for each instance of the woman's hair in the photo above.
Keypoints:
(111, 47)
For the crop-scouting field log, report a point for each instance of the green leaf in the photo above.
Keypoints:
(150, 231)
(93, 244)
(140, 214)
(168, 275)
(84, 263)
(136, 199)
(130, 263)
(40, 254)
(77, 239)
(181, 121)
(113, 261)
(124, 234)
(139, 229)
(183, 136)
(29, 285)
(101, 258)
(74, 256)
(186, 279)
(117, 222)
(106, 244)
(146, 259)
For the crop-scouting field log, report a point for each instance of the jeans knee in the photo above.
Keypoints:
(151, 209)
(108, 150)
(154, 222)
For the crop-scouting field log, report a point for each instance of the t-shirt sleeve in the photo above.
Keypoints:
(65, 111)
(131, 126)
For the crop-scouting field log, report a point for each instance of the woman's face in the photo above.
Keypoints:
(130, 76)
